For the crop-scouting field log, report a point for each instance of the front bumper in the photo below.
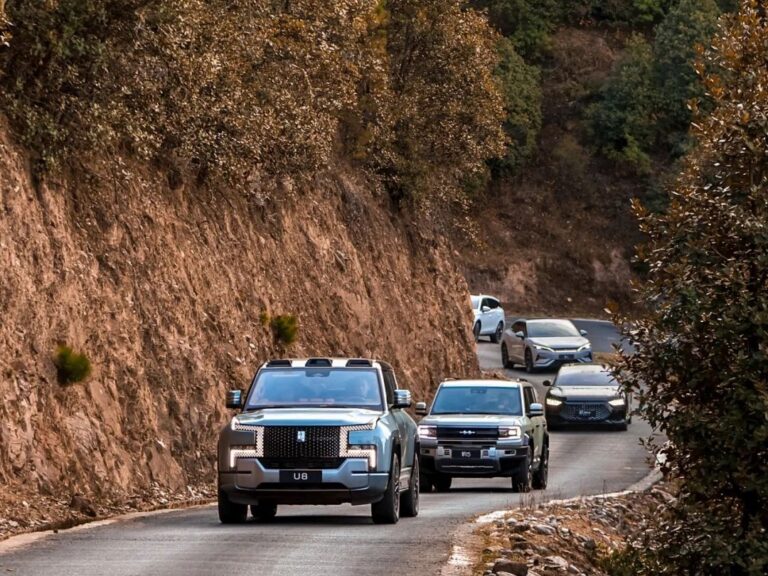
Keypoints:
(551, 359)
(472, 462)
(352, 482)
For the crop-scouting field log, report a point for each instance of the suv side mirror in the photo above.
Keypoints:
(535, 409)
(583, 332)
(547, 383)
(485, 309)
(421, 408)
(235, 399)
(402, 399)
(520, 335)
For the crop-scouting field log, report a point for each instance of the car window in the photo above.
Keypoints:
(493, 303)
(528, 396)
(518, 327)
(552, 329)
(478, 400)
(390, 385)
(315, 387)
(484, 303)
(585, 378)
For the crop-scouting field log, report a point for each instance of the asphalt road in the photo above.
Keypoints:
(332, 540)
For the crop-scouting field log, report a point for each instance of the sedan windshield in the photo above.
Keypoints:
(582, 378)
(552, 329)
(478, 400)
(316, 388)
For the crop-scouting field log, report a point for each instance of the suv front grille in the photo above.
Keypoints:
(284, 442)
(585, 411)
(467, 434)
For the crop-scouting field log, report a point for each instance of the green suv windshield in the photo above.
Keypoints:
(495, 400)
(316, 388)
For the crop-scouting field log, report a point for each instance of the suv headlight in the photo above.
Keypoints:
(427, 431)
(550, 401)
(358, 442)
(543, 348)
(617, 402)
(510, 432)
(255, 450)
(587, 346)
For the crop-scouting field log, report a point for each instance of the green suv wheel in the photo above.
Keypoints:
(264, 511)
(387, 510)
(542, 472)
(521, 481)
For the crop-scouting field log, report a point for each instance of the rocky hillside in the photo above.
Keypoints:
(164, 291)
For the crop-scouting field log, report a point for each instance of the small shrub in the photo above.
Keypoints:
(71, 366)
(264, 319)
(285, 328)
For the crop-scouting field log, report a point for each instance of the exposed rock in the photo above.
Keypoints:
(81, 504)
(543, 529)
(502, 567)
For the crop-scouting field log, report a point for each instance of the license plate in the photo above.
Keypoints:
(466, 453)
(567, 356)
(301, 476)
(587, 413)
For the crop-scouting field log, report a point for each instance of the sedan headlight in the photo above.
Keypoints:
(543, 348)
(510, 432)
(553, 401)
(617, 402)
(427, 431)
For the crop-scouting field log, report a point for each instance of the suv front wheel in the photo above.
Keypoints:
(229, 512)
(409, 500)
(387, 510)
(521, 480)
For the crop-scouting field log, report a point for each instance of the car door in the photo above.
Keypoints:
(496, 315)
(516, 347)
(529, 397)
(403, 422)
(485, 313)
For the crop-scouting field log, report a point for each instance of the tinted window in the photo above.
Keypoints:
(518, 327)
(316, 387)
(390, 385)
(528, 396)
(493, 303)
(583, 378)
(551, 329)
(478, 400)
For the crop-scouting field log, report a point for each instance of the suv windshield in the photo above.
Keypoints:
(478, 400)
(316, 388)
(551, 329)
(475, 302)
(581, 378)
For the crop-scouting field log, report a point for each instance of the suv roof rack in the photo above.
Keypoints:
(281, 362)
(319, 362)
(359, 362)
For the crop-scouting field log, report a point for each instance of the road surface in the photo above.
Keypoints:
(332, 540)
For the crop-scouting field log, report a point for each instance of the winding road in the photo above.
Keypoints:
(333, 540)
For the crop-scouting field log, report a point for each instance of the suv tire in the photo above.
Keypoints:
(264, 511)
(387, 510)
(229, 512)
(442, 482)
(521, 480)
(539, 479)
(496, 336)
(409, 500)
(476, 331)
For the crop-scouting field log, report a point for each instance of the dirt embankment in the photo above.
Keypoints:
(163, 290)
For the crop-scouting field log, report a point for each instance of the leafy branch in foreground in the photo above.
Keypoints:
(701, 368)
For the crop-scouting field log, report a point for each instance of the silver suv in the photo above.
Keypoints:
(319, 431)
(484, 428)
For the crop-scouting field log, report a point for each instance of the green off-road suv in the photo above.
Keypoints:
(319, 431)
(484, 428)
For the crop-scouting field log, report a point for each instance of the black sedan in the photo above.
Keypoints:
(586, 394)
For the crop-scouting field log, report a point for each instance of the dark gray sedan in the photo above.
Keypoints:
(587, 394)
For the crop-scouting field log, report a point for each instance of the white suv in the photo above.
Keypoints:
(489, 317)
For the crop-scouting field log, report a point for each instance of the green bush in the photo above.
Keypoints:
(71, 366)
(285, 328)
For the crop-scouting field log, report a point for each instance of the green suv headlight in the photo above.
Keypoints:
(510, 432)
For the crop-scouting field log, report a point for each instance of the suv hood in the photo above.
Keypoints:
(586, 392)
(490, 420)
(561, 342)
(309, 417)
